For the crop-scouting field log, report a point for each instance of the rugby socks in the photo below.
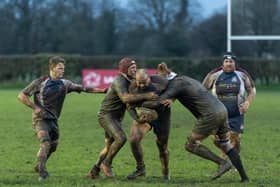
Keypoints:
(137, 152)
(42, 155)
(204, 152)
(236, 161)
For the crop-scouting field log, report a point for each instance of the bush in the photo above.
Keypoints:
(24, 68)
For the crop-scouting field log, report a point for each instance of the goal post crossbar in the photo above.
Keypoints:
(231, 37)
(255, 37)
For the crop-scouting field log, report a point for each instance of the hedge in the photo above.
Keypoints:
(17, 69)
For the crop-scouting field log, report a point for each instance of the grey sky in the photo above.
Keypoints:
(211, 6)
(208, 6)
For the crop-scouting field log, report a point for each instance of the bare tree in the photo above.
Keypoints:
(209, 37)
(257, 17)
(155, 14)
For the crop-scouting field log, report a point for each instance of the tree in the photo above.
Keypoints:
(256, 17)
(165, 26)
(209, 37)
(105, 28)
(7, 29)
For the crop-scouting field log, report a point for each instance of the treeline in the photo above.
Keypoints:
(161, 28)
(23, 69)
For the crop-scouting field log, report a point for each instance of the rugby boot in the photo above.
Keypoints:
(43, 175)
(246, 179)
(94, 172)
(42, 170)
(107, 170)
(223, 168)
(140, 171)
(36, 168)
(166, 175)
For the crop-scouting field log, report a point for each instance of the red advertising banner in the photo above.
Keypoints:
(102, 78)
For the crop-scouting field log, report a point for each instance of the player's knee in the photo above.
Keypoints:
(234, 138)
(190, 147)
(43, 136)
(53, 146)
(224, 143)
(45, 144)
(108, 142)
(162, 144)
(163, 153)
(121, 139)
(135, 138)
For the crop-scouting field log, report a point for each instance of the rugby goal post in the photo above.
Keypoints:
(231, 37)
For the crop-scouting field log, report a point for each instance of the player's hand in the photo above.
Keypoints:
(146, 118)
(105, 90)
(244, 107)
(146, 115)
(167, 102)
(141, 120)
(152, 95)
(38, 111)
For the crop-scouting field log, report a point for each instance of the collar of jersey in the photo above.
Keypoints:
(171, 76)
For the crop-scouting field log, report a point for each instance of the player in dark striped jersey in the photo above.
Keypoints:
(143, 84)
(49, 93)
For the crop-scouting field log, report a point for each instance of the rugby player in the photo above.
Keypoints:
(211, 117)
(111, 114)
(49, 93)
(141, 126)
(235, 88)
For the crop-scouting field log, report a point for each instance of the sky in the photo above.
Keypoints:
(211, 6)
(208, 6)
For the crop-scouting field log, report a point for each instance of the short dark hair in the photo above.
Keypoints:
(53, 61)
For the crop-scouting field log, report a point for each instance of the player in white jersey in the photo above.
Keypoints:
(235, 88)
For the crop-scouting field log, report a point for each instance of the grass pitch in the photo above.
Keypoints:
(81, 139)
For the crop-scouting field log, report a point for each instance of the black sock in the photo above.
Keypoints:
(236, 161)
(97, 167)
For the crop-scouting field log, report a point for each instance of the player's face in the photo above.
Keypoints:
(131, 72)
(58, 71)
(162, 73)
(229, 65)
(142, 82)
